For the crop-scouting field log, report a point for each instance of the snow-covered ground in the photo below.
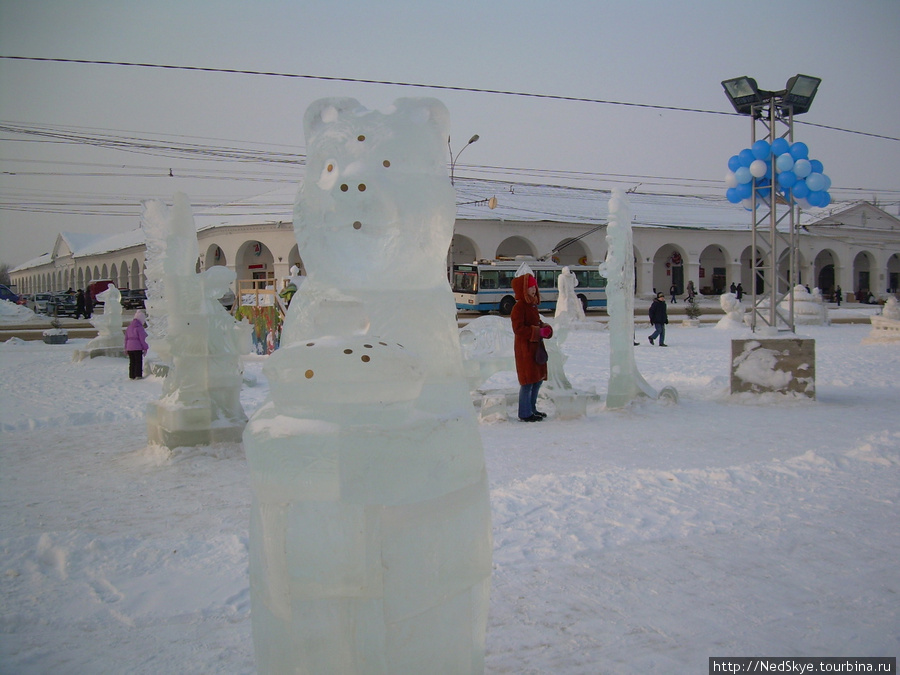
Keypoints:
(634, 541)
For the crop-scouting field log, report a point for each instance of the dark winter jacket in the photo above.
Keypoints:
(526, 325)
(658, 312)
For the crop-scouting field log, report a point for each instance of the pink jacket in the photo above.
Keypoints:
(136, 337)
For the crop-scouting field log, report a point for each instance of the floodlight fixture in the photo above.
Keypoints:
(743, 94)
(799, 92)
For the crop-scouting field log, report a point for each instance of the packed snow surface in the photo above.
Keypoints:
(641, 540)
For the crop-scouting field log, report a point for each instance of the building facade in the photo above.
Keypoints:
(855, 247)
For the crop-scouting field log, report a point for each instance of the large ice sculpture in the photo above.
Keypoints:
(202, 342)
(625, 382)
(110, 340)
(370, 531)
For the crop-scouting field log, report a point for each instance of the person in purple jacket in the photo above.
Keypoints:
(136, 345)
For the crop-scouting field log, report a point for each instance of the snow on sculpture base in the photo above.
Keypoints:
(780, 365)
(370, 534)
(182, 425)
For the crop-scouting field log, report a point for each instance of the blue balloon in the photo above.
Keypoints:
(800, 189)
(815, 182)
(731, 194)
(827, 182)
(786, 179)
(784, 162)
(761, 149)
(744, 190)
(734, 163)
(780, 146)
(743, 175)
(826, 199)
(817, 166)
(817, 198)
(802, 168)
(746, 156)
(799, 151)
(764, 192)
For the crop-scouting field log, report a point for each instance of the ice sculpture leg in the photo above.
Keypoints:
(370, 532)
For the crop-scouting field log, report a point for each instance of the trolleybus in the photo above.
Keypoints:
(486, 285)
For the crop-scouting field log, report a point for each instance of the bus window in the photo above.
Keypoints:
(506, 277)
(547, 278)
(464, 282)
(590, 279)
(489, 279)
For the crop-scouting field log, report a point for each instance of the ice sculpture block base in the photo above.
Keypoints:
(373, 561)
(183, 425)
(783, 365)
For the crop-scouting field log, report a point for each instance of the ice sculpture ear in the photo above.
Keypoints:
(326, 111)
(426, 112)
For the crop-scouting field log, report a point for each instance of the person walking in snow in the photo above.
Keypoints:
(136, 345)
(531, 355)
(673, 291)
(80, 310)
(838, 295)
(659, 317)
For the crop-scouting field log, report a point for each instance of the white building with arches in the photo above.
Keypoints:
(676, 240)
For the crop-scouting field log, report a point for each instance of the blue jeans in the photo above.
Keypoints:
(661, 332)
(528, 394)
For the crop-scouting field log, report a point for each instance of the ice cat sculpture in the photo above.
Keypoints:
(370, 532)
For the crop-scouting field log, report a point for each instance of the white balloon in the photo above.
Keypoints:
(758, 168)
(730, 180)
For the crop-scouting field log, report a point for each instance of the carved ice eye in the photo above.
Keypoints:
(309, 374)
(362, 187)
(365, 358)
(348, 351)
(386, 163)
(329, 168)
(360, 138)
(357, 225)
(344, 187)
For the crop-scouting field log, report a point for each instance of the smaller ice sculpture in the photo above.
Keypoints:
(625, 382)
(885, 328)
(569, 309)
(487, 348)
(110, 340)
(201, 393)
(809, 309)
(734, 312)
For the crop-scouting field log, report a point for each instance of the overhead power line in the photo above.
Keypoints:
(420, 85)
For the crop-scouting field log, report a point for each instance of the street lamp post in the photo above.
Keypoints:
(773, 112)
(453, 159)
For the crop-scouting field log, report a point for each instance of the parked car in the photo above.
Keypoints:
(133, 298)
(7, 294)
(61, 304)
(37, 303)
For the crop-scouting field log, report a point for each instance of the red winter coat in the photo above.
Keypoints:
(526, 325)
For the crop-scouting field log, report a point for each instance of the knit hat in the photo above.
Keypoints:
(140, 316)
(532, 281)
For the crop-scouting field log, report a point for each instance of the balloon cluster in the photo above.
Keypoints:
(782, 166)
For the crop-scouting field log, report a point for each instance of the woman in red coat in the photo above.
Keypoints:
(529, 333)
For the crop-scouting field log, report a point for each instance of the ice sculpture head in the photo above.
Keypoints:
(376, 206)
(216, 281)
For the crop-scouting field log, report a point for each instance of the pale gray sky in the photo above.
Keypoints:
(655, 53)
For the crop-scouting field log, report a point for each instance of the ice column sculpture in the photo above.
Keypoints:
(201, 393)
(625, 382)
(370, 534)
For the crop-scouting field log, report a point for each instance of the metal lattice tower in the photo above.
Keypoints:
(774, 239)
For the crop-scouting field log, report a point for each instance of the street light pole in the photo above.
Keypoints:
(453, 159)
